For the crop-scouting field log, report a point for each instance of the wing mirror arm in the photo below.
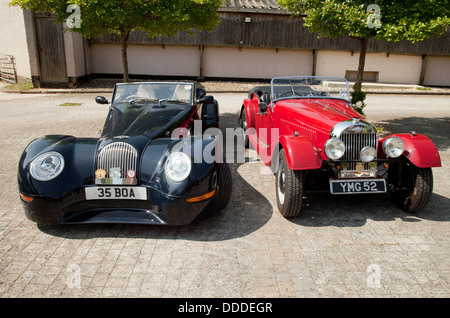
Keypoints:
(101, 100)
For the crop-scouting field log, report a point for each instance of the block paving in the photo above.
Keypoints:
(358, 246)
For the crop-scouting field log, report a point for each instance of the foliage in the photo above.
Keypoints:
(70, 104)
(388, 20)
(154, 17)
(358, 96)
(20, 86)
(409, 20)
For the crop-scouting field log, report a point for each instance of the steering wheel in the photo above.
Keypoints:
(131, 97)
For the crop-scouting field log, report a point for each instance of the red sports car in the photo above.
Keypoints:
(307, 131)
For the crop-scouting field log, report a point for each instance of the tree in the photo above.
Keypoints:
(388, 20)
(94, 18)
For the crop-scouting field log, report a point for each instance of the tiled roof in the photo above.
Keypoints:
(252, 6)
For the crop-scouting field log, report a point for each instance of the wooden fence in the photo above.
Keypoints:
(8, 71)
(266, 30)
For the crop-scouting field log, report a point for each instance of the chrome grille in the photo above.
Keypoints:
(355, 142)
(117, 155)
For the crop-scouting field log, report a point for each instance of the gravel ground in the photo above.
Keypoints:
(358, 246)
(208, 85)
(106, 84)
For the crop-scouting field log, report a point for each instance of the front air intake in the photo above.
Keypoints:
(119, 158)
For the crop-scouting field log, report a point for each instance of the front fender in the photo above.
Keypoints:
(155, 156)
(250, 107)
(300, 153)
(419, 149)
(78, 153)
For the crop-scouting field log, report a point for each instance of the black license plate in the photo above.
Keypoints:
(357, 186)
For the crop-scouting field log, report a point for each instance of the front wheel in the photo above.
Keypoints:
(224, 186)
(289, 186)
(223, 192)
(417, 188)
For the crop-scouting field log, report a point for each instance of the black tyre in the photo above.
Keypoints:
(244, 128)
(416, 188)
(224, 186)
(289, 188)
(223, 192)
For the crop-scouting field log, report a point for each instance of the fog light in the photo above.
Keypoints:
(367, 154)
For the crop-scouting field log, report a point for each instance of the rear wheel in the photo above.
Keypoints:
(289, 186)
(416, 188)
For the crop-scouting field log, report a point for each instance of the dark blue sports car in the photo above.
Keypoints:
(143, 169)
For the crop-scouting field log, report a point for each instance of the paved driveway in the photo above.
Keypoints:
(359, 246)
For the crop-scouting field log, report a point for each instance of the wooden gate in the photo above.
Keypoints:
(8, 68)
(50, 45)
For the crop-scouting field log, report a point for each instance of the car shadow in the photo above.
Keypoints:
(322, 210)
(247, 211)
(437, 129)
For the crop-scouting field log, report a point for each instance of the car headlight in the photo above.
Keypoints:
(334, 148)
(47, 166)
(178, 166)
(393, 147)
(367, 154)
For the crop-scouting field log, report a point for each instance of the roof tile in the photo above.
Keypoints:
(251, 4)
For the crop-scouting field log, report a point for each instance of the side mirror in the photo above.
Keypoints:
(200, 93)
(101, 100)
(262, 107)
(207, 100)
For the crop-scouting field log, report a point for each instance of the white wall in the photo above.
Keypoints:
(262, 63)
(256, 63)
(395, 68)
(75, 54)
(438, 71)
(13, 40)
(185, 61)
(146, 59)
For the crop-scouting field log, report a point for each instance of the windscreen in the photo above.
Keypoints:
(182, 92)
(309, 87)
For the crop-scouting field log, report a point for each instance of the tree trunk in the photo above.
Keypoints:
(124, 35)
(362, 62)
